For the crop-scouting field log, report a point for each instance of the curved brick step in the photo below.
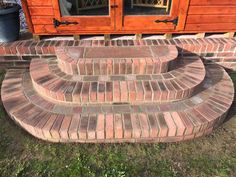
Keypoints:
(177, 84)
(115, 60)
(166, 122)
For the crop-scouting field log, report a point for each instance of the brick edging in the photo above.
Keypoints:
(206, 45)
(220, 50)
(119, 126)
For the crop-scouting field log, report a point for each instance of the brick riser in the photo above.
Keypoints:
(60, 103)
(115, 60)
(164, 122)
(177, 84)
(217, 50)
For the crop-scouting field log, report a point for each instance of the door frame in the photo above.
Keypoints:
(86, 23)
(114, 23)
(178, 9)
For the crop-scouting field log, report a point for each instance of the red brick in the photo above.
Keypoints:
(118, 124)
(124, 91)
(127, 126)
(100, 127)
(92, 127)
(139, 91)
(85, 92)
(74, 126)
(109, 91)
(116, 91)
(172, 129)
(144, 125)
(109, 126)
(101, 91)
(47, 127)
(154, 129)
(93, 92)
(83, 127)
(64, 127)
(163, 125)
(56, 127)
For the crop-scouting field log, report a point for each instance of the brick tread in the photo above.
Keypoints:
(115, 60)
(176, 84)
(202, 113)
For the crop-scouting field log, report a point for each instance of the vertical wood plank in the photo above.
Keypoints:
(119, 15)
(183, 13)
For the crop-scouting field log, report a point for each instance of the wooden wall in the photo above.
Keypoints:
(202, 16)
(41, 15)
(211, 15)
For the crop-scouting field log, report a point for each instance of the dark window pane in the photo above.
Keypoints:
(147, 7)
(84, 7)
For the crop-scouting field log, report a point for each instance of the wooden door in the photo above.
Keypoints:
(81, 16)
(148, 15)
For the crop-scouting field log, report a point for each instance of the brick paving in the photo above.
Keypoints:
(116, 60)
(187, 101)
(173, 85)
(218, 50)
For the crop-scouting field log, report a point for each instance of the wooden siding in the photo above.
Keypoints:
(194, 16)
(211, 15)
(42, 14)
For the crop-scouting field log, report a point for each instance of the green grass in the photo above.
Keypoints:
(23, 155)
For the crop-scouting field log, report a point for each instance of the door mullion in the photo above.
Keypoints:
(119, 15)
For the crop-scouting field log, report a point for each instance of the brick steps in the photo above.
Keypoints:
(115, 60)
(141, 122)
(176, 84)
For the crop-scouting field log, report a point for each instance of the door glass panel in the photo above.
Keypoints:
(84, 7)
(147, 7)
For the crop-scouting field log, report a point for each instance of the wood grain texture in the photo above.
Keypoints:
(211, 10)
(39, 3)
(211, 16)
(211, 2)
(41, 11)
(194, 16)
(198, 19)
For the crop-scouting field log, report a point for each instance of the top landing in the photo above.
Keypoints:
(163, 53)
(69, 58)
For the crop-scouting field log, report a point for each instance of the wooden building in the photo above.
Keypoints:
(71, 17)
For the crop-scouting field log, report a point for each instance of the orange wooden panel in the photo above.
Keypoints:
(42, 20)
(39, 3)
(48, 29)
(204, 16)
(208, 27)
(141, 22)
(198, 19)
(182, 15)
(43, 11)
(137, 22)
(208, 10)
(212, 2)
(87, 23)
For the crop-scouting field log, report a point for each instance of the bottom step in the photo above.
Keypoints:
(164, 122)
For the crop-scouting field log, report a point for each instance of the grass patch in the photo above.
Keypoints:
(23, 155)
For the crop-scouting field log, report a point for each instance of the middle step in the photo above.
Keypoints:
(50, 82)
